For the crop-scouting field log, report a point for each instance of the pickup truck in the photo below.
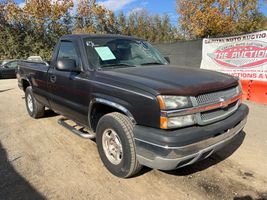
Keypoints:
(142, 110)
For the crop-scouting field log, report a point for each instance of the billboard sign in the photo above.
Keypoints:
(244, 56)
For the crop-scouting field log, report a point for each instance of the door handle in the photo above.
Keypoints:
(53, 78)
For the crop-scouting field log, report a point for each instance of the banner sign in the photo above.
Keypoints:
(244, 56)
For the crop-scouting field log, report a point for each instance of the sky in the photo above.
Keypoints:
(152, 6)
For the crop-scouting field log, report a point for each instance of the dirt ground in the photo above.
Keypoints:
(39, 159)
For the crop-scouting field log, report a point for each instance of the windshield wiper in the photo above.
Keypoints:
(119, 65)
(153, 63)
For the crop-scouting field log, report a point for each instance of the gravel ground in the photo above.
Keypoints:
(41, 160)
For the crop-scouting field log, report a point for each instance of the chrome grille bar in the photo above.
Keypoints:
(201, 108)
(215, 96)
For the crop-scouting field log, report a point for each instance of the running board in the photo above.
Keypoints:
(81, 132)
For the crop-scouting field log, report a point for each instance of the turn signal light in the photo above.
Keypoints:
(163, 122)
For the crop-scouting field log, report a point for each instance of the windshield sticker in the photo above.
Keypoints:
(90, 44)
(105, 53)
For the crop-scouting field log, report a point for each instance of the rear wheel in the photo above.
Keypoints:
(34, 108)
(115, 143)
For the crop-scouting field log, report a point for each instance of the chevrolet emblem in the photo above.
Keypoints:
(223, 103)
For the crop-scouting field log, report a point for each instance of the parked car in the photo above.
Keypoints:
(8, 69)
(141, 109)
(35, 58)
(4, 62)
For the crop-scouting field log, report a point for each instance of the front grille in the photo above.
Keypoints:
(214, 97)
(218, 113)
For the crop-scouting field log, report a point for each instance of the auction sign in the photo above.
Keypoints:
(244, 56)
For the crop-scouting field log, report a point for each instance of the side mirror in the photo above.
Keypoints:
(67, 64)
(5, 66)
(168, 59)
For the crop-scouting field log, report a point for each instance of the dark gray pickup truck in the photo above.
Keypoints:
(141, 109)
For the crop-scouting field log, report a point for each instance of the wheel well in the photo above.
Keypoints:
(25, 84)
(98, 111)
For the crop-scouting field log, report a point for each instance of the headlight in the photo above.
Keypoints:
(177, 122)
(168, 102)
(173, 102)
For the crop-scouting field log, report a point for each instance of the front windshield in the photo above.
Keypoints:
(107, 53)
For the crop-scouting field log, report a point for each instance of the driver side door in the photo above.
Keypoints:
(66, 87)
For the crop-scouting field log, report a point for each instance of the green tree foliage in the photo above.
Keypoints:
(92, 18)
(203, 18)
(153, 28)
(33, 29)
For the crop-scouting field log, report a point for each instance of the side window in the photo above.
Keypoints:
(67, 50)
(12, 65)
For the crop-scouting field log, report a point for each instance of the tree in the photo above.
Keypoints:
(93, 18)
(203, 18)
(84, 17)
(154, 28)
(34, 29)
(122, 24)
(13, 31)
(49, 20)
(3, 25)
(246, 16)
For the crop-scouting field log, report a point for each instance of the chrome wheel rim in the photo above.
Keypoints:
(30, 103)
(112, 146)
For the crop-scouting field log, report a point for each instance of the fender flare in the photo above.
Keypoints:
(111, 104)
(26, 79)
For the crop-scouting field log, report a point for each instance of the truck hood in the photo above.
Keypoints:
(170, 80)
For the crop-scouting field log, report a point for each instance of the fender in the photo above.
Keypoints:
(111, 104)
(25, 79)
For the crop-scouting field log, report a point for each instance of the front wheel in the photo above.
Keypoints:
(115, 143)
(34, 108)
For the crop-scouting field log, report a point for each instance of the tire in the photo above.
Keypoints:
(35, 109)
(127, 164)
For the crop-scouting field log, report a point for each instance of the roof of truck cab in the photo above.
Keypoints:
(82, 36)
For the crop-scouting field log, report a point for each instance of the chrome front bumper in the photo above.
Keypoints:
(166, 157)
